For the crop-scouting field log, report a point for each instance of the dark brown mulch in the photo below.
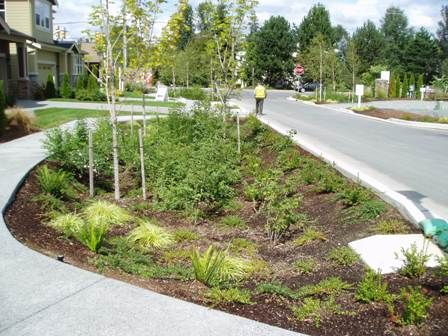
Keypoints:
(27, 223)
(391, 113)
(14, 132)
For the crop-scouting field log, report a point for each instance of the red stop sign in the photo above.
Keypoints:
(299, 70)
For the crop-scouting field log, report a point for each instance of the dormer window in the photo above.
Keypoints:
(2, 9)
(42, 14)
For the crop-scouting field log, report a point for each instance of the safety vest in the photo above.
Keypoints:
(260, 92)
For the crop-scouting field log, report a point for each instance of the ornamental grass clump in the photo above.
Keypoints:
(67, 224)
(106, 213)
(149, 235)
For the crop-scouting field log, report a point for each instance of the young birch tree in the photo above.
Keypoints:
(229, 23)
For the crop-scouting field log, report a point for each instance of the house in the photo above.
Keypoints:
(30, 62)
(92, 58)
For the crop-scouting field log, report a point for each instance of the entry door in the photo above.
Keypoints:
(3, 70)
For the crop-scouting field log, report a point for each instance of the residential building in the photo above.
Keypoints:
(39, 56)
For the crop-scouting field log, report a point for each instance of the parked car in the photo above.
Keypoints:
(310, 86)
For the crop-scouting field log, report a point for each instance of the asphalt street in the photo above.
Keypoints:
(410, 161)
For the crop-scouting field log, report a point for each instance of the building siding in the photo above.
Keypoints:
(18, 15)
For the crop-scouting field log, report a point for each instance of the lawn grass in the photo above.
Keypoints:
(52, 117)
(148, 102)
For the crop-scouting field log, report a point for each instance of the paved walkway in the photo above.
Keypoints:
(40, 296)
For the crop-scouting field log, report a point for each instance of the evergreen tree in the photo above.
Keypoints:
(405, 86)
(368, 42)
(272, 49)
(81, 82)
(316, 22)
(66, 88)
(187, 30)
(392, 86)
(92, 84)
(399, 87)
(412, 81)
(397, 35)
(423, 55)
(442, 31)
(420, 84)
(3, 119)
(50, 90)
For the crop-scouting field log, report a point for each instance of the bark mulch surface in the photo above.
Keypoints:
(396, 114)
(27, 222)
(14, 132)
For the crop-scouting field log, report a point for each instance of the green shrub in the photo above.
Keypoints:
(288, 160)
(369, 209)
(67, 224)
(148, 235)
(305, 266)
(185, 235)
(313, 309)
(414, 263)
(333, 286)
(343, 256)
(207, 267)
(391, 226)
(276, 288)
(281, 214)
(235, 295)
(242, 245)
(193, 93)
(233, 221)
(120, 255)
(373, 289)
(66, 88)
(309, 235)
(91, 234)
(56, 183)
(416, 306)
(50, 203)
(312, 172)
(50, 90)
(330, 183)
(352, 195)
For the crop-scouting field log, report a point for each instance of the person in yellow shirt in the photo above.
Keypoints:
(260, 96)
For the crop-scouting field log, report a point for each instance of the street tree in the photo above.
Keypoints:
(353, 62)
(316, 22)
(442, 30)
(396, 38)
(368, 42)
(423, 54)
(272, 48)
(230, 21)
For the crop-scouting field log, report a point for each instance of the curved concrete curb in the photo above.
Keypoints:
(406, 207)
(41, 296)
(406, 123)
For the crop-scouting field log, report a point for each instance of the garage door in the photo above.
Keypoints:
(44, 71)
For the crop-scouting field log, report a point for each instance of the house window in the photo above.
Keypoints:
(2, 9)
(42, 13)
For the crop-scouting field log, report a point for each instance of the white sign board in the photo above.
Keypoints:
(359, 90)
(385, 75)
(162, 94)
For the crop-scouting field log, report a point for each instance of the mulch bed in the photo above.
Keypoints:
(391, 113)
(14, 132)
(26, 222)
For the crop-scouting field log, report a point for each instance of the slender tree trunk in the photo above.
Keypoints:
(321, 73)
(110, 93)
(125, 48)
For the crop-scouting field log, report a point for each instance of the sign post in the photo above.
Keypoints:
(359, 92)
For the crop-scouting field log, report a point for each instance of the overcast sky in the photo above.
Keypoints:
(349, 13)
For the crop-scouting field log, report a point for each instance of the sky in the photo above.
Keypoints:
(73, 14)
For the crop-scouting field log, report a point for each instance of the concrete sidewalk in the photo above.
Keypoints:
(41, 296)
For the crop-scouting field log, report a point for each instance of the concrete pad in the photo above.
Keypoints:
(384, 252)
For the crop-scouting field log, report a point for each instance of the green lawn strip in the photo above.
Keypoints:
(52, 117)
(148, 103)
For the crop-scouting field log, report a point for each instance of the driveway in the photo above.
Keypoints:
(410, 161)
